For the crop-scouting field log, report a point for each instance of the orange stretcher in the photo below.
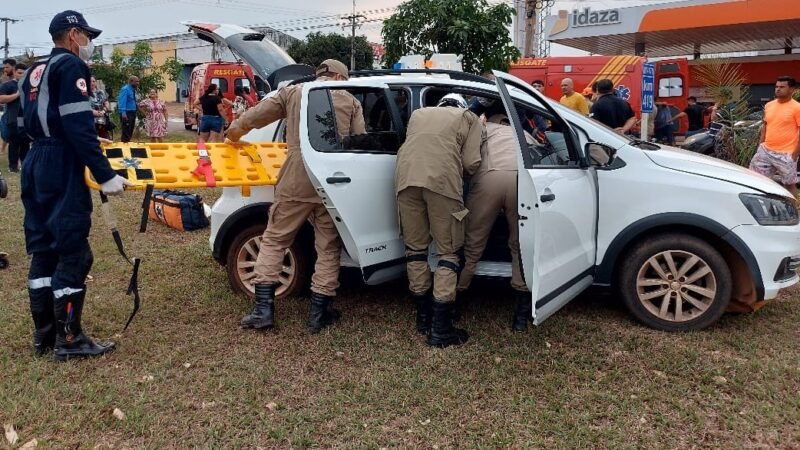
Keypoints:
(192, 165)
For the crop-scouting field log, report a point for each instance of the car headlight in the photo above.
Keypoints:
(768, 210)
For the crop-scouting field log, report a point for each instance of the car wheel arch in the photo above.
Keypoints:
(244, 218)
(738, 255)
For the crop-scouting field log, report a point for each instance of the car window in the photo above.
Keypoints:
(382, 133)
(221, 83)
(242, 83)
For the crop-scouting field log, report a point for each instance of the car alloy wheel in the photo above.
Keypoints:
(246, 263)
(676, 286)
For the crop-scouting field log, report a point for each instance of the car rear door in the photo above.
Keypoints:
(355, 177)
(557, 204)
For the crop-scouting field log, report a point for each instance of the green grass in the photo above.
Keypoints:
(588, 378)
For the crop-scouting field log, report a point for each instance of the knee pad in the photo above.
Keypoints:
(449, 266)
(420, 257)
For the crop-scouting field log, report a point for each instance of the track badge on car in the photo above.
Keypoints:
(81, 84)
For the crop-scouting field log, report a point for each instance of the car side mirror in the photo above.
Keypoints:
(599, 154)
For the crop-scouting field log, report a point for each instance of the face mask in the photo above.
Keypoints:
(85, 52)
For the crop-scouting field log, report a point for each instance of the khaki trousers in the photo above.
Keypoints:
(495, 191)
(425, 216)
(285, 220)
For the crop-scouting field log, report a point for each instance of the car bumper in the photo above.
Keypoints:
(776, 249)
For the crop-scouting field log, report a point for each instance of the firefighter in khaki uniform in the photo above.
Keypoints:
(442, 145)
(296, 201)
(493, 188)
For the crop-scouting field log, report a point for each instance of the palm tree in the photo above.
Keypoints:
(726, 84)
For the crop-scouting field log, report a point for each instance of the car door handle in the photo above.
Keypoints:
(547, 198)
(337, 180)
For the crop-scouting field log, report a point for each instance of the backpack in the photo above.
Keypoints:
(179, 210)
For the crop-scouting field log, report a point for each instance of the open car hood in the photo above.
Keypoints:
(686, 161)
(269, 62)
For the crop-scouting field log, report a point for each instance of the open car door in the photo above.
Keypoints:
(270, 63)
(355, 175)
(557, 204)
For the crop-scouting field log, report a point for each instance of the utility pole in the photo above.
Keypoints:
(6, 21)
(353, 18)
(536, 12)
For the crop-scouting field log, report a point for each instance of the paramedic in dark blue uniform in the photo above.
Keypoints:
(58, 205)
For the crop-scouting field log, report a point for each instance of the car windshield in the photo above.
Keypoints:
(263, 55)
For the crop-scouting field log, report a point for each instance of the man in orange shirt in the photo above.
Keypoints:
(780, 137)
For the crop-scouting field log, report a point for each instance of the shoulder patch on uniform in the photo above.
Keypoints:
(36, 75)
(81, 84)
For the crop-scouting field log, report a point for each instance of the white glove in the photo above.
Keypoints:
(115, 186)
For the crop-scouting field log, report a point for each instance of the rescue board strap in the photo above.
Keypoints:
(133, 284)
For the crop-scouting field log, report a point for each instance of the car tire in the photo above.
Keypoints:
(675, 282)
(241, 258)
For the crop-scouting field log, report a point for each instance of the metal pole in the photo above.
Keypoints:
(353, 39)
(6, 45)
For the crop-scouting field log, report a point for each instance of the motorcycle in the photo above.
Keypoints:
(718, 138)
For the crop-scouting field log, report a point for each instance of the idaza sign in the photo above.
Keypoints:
(588, 18)
(584, 18)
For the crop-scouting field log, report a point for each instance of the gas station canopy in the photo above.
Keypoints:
(682, 28)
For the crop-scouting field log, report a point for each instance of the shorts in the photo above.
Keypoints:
(777, 166)
(210, 123)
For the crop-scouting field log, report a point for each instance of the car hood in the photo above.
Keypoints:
(686, 161)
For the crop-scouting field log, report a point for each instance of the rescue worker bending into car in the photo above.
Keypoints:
(58, 206)
(296, 201)
(443, 144)
(493, 189)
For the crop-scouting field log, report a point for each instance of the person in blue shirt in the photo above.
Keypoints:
(127, 105)
(58, 206)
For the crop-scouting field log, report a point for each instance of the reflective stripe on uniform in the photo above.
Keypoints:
(44, 95)
(39, 283)
(21, 96)
(66, 291)
(73, 108)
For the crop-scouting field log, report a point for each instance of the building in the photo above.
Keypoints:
(763, 36)
(191, 51)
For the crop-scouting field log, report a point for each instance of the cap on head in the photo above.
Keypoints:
(72, 19)
(454, 100)
(333, 66)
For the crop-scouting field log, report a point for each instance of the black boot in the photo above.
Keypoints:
(322, 314)
(423, 303)
(442, 333)
(70, 340)
(44, 333)
(263, 314)
(523, 313)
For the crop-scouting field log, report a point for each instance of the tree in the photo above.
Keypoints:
(726, 83)
(320, 46)
(115, 72)
(471, 28)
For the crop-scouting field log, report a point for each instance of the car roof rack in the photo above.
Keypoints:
(454, 74)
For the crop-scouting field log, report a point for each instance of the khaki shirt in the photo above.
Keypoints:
(442, 146)
(293, 182)
(500, 151)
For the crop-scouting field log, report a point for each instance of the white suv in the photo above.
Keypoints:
(679, 234)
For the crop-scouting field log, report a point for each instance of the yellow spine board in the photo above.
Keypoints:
(168, 165)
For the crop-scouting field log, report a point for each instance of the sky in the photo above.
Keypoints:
(136, 19)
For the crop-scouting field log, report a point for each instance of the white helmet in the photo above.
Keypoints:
(454, 100)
